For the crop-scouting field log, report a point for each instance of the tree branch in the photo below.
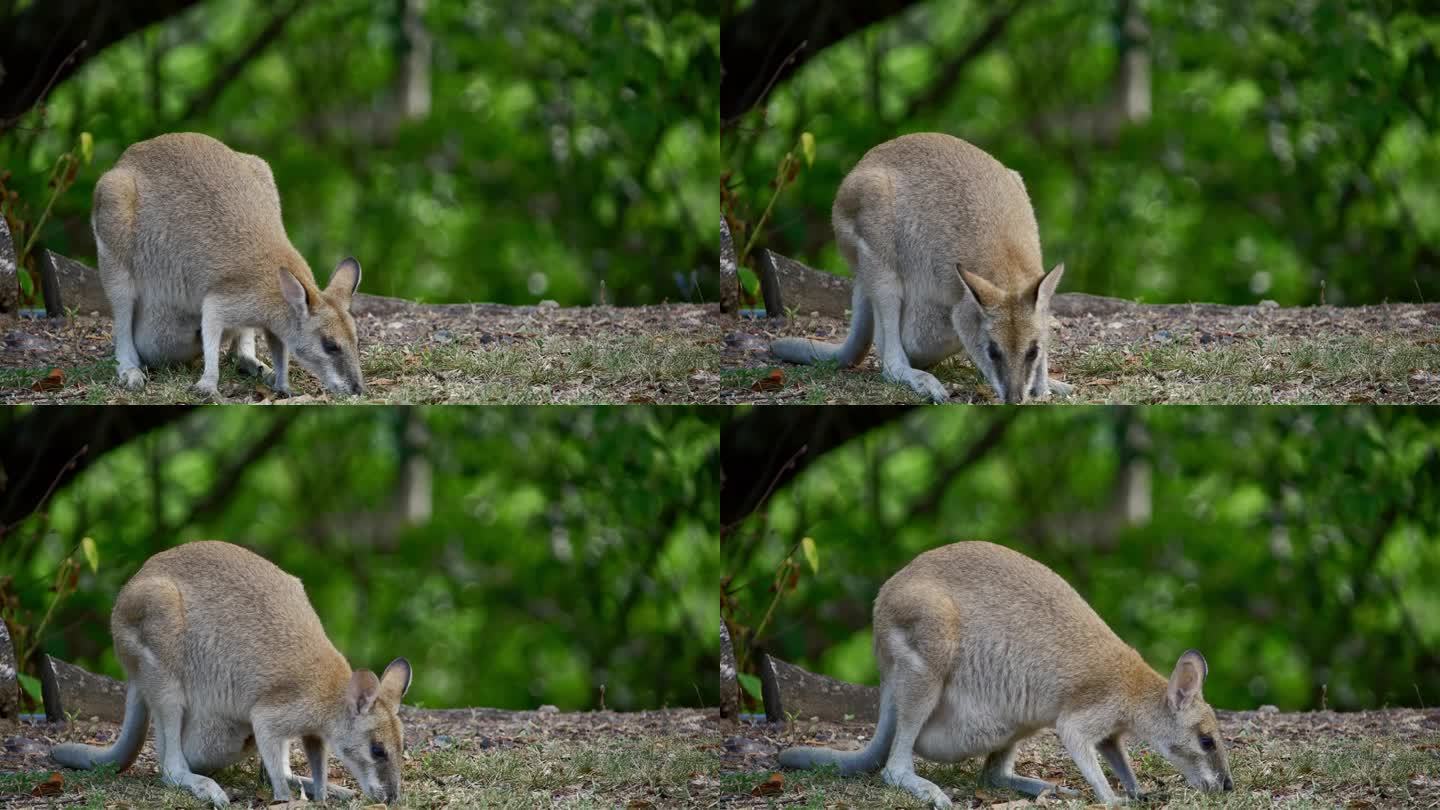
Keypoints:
(949, 74)
(231, 71)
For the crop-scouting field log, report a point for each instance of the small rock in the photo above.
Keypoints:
(1162, 336)
(443, 336)
(745, 745)
(395, 325)
(1114, 325)
(548, 709)
(487, 338)
(442, 741)
(746, 342)
(486, 743)
(1206, 338)
(1268, 709)
(24, 745)
(26, 342)
(549, 304)
(1268, 304)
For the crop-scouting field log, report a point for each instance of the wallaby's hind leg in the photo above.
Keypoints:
(245, 358)
(212, 330)
(114, 222)
(1000, 772)
(916, 692)
(149, 628)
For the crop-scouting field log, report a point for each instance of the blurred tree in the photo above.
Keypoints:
(506, 151)
(1299, 548)
(1227, 152)
(517, 556)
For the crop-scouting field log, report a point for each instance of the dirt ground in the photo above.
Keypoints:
(454, 758)
(415, 353)
(1120, 351)
(1358, 761)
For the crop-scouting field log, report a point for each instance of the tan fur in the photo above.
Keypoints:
(979, 646)
(193, 254)
(946, 256)
(223, 650)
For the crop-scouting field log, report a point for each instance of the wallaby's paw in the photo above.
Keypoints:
(132, 378)
(208, 392)
(921, 382)
(253, 368)
(1061, 389)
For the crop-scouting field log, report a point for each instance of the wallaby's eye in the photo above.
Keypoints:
(1033, 353)
(377, 751)
(330, 346)
(1207, 742)
(994, 351)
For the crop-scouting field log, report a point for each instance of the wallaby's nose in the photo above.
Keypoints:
(357, 388)
(1229, 785)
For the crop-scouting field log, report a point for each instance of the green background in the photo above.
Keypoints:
(567, 550)
(571, 144)
(1291, 154)
(1297, 548)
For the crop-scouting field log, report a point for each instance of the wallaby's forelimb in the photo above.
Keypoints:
(999, 771)
(1119, 761)
(127, 746)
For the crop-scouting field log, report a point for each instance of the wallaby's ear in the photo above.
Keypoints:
(1046, 289)
(361, 693)
(345, 280)
(1186, 680)
(396, 680)
(987, 295)
(294, 293)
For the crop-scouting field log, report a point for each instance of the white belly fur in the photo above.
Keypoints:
(962, 727)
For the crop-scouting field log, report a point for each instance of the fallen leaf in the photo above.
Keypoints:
(773, 381)
(639, 804)
(50, 382)
(1359, 804)
(1104, 381)
(53, 785)
(770, 787)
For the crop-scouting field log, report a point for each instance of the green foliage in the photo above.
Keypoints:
(569, 153)
(1289, 155)
(1298, 548)
(558, 551)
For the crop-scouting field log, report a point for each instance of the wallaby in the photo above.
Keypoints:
(979, 647)
(946, 255)
(193, 254)
(223, 650)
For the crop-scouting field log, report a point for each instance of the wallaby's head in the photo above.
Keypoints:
(1186, 733)
(370, 740)
(320, 331)
(1006, 332)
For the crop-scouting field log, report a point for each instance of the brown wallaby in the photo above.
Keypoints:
(223, 650)
(193, 254)
(979, 647)
(946, 255)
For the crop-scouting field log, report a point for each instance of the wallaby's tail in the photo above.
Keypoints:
(872, 757)
(126, 747)
(862, 332)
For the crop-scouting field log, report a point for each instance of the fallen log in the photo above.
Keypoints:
(72, 691)
(790, 691)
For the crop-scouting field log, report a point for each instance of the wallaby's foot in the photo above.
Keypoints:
(1061, 389)
(921, 382)
(923, 789)
(208, 391)
(204, 788)
(132, 378)
(332, 791)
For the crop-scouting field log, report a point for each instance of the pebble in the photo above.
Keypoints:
(548, 709)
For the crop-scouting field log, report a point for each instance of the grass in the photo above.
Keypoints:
(616, 771)
(1326, 767)
(551, 369)
(1323, 369)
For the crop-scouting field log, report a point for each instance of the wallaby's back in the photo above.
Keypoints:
(946, 202)
(186, 202)
(249, 627)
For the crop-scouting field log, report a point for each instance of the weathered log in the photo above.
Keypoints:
(793, 692)
(9, 672)
(9, 272)
(804, 289)
(729, 271)
(729, 680)
(71, 690)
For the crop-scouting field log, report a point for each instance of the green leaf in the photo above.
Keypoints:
(31, 685)
(812, 555)
(92, 555)
(807, 147)
(748, 682)
(87, 147)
